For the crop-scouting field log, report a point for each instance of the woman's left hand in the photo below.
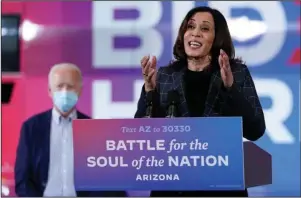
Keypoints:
(226, 72)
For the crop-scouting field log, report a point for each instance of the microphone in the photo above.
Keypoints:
(149, 104)
(173, 100)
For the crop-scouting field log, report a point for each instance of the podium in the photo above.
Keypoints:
(167, 154)
(257, 165)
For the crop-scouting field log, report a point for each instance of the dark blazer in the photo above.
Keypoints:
(32, 159)
(240, 100)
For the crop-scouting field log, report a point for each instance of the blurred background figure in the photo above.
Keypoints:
(44, 163)
(107, 41)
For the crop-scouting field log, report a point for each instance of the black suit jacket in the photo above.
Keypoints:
(240, 100)
(32, 159)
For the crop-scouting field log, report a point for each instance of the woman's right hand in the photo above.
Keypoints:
(149, 72)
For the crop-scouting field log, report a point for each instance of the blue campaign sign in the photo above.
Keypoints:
(159, 154)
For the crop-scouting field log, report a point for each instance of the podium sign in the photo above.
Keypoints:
(159, 154)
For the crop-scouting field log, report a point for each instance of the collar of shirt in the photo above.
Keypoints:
(57, 117)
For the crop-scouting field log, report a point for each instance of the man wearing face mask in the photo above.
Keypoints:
(45, 160)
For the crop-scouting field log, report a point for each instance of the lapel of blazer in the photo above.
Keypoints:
(81, 115)
(46, 127)
(179, 85)
(213, 92)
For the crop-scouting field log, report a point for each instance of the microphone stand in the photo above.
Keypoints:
(172, 110)
(149, 110)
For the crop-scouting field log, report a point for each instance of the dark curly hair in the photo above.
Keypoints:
(222, 38)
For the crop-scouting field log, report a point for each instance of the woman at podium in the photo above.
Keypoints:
(204, 79)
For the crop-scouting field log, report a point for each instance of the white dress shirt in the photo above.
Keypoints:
(61, 164)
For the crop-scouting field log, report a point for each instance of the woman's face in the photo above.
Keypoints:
(199, 35)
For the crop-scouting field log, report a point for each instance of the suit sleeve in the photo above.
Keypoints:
(244, 101)
(23, 185)
(141, 106)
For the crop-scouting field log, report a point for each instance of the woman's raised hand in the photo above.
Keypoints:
(149, 72)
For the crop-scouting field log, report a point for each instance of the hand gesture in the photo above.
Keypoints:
(225, 69)
(149, 72)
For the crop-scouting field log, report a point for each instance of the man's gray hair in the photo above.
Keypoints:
(62, 66)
